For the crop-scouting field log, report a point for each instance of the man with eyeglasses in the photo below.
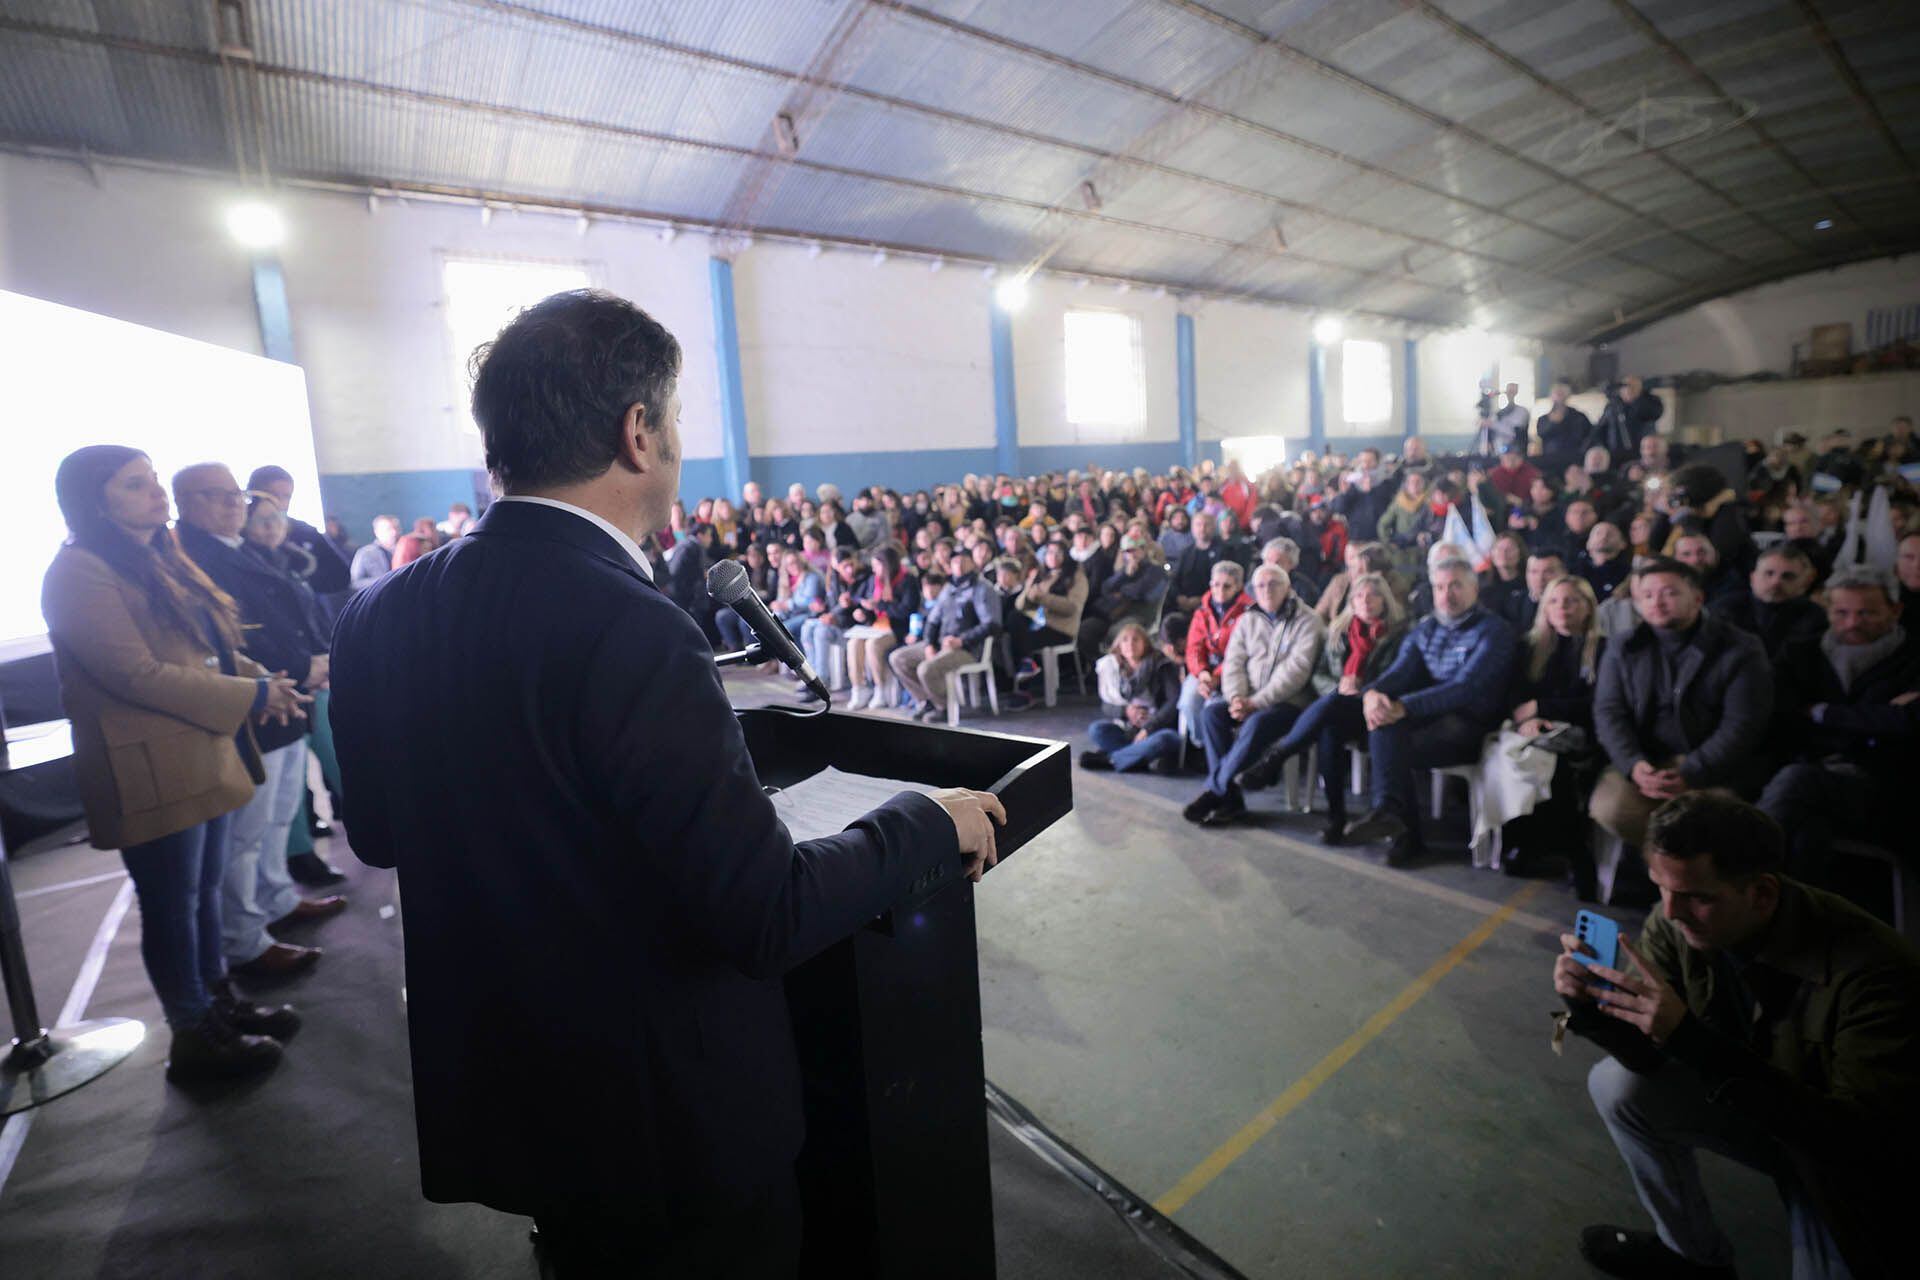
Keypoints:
(257, 889)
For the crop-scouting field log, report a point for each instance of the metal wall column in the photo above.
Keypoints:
(733, 400)
(1189, 398)
(1006, 416)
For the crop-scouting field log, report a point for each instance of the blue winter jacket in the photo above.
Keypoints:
(1463, 670)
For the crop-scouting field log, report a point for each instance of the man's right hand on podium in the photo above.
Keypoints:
(974, 814)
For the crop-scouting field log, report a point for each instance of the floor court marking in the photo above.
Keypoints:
(102, 878)
(1245, 838)
(1202, 1174)
(13, 1133)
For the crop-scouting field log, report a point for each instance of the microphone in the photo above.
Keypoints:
(727, 584)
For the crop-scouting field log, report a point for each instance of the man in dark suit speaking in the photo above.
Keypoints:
(599, 900)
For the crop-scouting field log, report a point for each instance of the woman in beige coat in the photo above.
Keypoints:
(161, 702)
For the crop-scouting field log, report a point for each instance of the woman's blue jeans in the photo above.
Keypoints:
(178, 880)
(1116, 740)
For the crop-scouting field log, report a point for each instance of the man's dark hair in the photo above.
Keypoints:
(1667, 564)
(551, 392)
(264, 476)
(1547, 553)
(1742, 841)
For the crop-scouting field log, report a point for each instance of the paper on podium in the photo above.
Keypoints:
(832, 800)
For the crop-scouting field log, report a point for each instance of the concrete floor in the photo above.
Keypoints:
(1148, 988)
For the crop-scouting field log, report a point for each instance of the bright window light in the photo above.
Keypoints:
(482, 295)
(1366, 381)
(1327, 330)
(1106, 376)
(1011, 294)
(70, 378)
(1256, 455)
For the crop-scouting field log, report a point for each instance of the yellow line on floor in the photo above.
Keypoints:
(1198, 1178)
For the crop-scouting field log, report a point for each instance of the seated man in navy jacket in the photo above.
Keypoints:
(600, 900)
(1435, 705)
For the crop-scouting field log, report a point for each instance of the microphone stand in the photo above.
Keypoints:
(753, 655)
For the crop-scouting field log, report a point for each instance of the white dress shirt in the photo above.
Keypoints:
(627, 544)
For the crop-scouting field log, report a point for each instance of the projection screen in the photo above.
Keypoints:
(70, 378)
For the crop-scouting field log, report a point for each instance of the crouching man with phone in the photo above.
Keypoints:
(1760, 1018)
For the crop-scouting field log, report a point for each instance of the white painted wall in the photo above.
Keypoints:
(363, 288)
(839, 355)
(1754, 331)
(1250, 370)
(1039, 361)
(1767, 410)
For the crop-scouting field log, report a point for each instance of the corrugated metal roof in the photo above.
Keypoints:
(1542, 161)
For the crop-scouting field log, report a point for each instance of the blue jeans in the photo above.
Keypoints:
(1400, 748)
(818, 639)
(1658, 1121)
(735, 635)
(258, 888)
(1116, 740)
(178, 880)
(1233, 745)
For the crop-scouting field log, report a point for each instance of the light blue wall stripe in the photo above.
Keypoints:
(734, 454)
(1317, 397)
(1189, 391)
(270, 302)
(1006, 416)
(1411, 375)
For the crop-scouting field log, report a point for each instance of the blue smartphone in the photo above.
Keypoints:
(1602, 937)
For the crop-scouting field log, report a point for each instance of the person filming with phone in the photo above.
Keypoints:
(1773, 1023)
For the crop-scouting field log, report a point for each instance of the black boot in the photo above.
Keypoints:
(1640, 1255)
(278, 1021)
(1334, 830)
(212, 1050)
(1264, 772)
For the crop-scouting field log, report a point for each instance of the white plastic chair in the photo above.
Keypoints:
(837, 667)
(1906, 886)
(961, 679)
(1609, 851)
(1050, 669)
(1485, 853)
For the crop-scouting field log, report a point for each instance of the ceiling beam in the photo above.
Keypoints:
(843, 88)
(1447, 22)
(1660, 40)
(447, 102)
(1256, 127)
(1445, 124)
(1856, 88)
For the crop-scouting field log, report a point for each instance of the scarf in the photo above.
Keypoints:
(1363, 638)
(1851, 661)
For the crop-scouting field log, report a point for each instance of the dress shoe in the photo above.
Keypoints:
(1201, 805)
(319, 828)
(1232, 808)
(312, 870)
(1377, 825)
(281, 960)
(1095, 759)
(1640, 1255)
(1334, 832)
(213, 1050)
(278, 1021)
(929, 714)
(1405, 849)
(311, 909)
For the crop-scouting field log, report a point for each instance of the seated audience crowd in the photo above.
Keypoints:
(1701, 661)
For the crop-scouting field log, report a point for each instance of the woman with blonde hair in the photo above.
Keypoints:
(1140, 695)
(1536, 772)
(161, 701)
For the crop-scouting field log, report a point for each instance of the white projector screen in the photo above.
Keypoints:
(70, 378)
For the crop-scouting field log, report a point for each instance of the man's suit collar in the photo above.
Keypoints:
(534, 521)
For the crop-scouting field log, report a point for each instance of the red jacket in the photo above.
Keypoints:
(1207, 635)
(1241, 500)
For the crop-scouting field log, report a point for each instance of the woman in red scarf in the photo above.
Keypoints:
(1361, 644)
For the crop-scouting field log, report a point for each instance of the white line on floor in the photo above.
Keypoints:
(13, 1134)
(102, 878)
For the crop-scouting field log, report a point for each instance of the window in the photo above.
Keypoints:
(1106, 391)
(1517, 368)
(482, 295)
(1366, 381)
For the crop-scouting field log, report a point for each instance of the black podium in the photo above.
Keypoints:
(893, 1177)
